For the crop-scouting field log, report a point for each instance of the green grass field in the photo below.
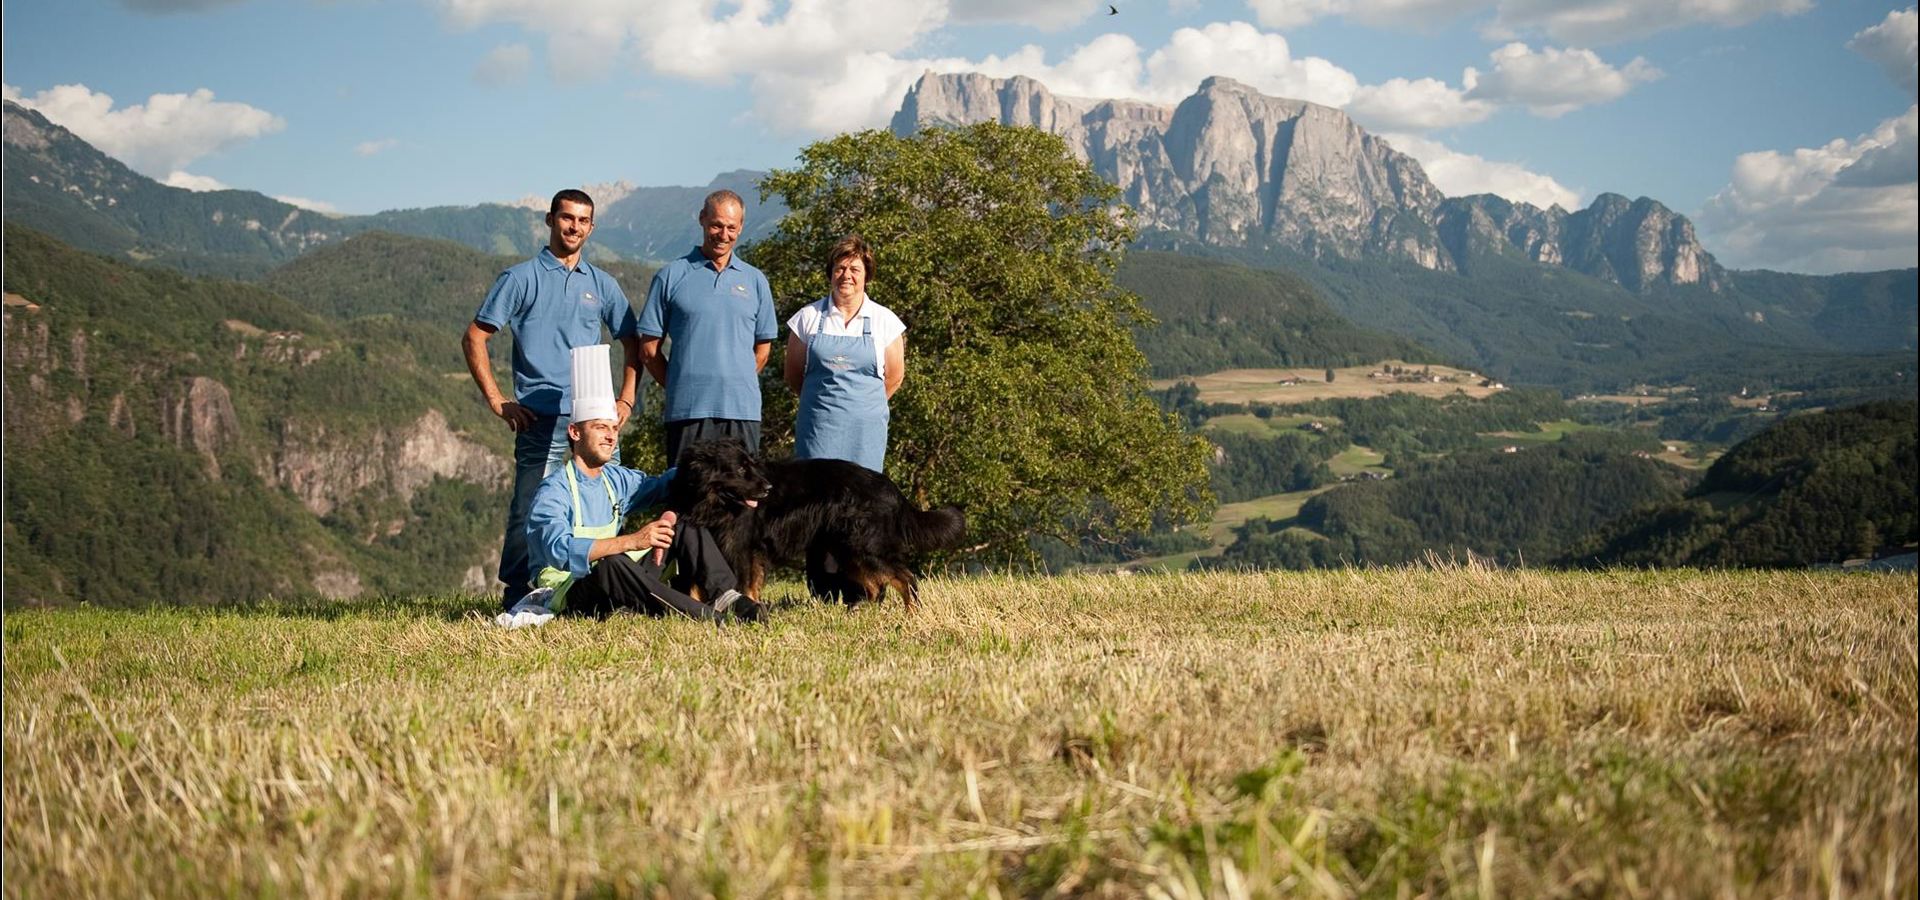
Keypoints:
(1381, 733)
(1228, 516)
(1549, 432)
(1250, 424)
(1356, 459)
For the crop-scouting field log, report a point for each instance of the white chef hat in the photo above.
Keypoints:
(593, 384)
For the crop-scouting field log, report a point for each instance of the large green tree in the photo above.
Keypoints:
(1025, 400)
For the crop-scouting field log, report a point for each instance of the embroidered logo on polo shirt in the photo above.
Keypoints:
(587, 299)
(739, 288)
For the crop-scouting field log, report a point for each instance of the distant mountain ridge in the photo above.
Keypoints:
(60, 184)
(1613, 295)
(1232, 167)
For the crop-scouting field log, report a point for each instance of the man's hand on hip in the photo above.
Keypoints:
(517, 417)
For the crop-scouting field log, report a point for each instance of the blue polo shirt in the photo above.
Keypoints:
(714, 318)
(552, 310)
(550, 540)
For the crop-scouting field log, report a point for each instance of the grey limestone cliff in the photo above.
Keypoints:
(1232, 167)
(1228, 165)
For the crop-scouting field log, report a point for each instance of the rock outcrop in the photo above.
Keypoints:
(1228, 166)
(323, 468)
(198, 413)
(1231, 167)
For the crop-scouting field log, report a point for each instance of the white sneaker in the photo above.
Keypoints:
(531, 611)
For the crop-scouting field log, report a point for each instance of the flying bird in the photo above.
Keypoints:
(1113, 10)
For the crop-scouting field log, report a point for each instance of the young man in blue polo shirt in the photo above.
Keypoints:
(718, 312)
(553, 303)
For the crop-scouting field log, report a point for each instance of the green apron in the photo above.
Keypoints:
(561, 579)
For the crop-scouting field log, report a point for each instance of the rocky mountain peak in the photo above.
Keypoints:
(1228, 165)
(24, 128)
(1638, 244)
(1232, 167)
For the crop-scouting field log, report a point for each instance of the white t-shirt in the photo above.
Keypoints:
(820, 317)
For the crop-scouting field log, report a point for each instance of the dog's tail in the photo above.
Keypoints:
(935, 529)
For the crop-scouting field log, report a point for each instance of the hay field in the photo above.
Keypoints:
(1265, 385)
(1381, 733)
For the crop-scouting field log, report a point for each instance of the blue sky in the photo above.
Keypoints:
(1785, 128)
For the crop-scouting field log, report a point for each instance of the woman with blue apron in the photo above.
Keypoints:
(846, 355)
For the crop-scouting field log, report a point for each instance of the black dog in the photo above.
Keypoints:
(851, 528)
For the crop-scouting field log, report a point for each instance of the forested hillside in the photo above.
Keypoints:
(1552, 326)
(1815, 488)
(179, 439)
(1216, 314)
(1513, 508)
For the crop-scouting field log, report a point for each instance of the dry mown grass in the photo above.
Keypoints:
(1382, 733)
(1263, 385)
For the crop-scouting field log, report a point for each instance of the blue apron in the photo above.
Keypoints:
(843, 402)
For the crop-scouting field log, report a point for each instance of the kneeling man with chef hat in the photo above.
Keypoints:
(573, 529)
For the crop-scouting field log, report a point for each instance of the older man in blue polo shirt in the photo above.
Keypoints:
(718, 312)
(553, 303)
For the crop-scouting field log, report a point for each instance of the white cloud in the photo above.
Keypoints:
(192, 182)
(1892, 44)
(1047, 15)
(1457, 174)
(318, 206)
(1845, 206)
(1603, 21)
(1294, 13)
(504, 66)
(158, 137)
(1422, 105)
(1553, 82)
(1575, 21)
(375, 148)
(809, 40)
(1892, 159)
(1404, 13)
(584, 42)
(1261, 60)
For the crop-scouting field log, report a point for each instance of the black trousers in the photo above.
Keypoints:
(687, 432)
(620, 582)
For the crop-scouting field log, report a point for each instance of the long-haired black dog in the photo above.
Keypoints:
(850, 527)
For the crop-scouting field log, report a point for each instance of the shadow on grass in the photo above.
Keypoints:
(782, 596)
(450, 608)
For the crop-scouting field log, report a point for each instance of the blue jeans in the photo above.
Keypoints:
(538, 452)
